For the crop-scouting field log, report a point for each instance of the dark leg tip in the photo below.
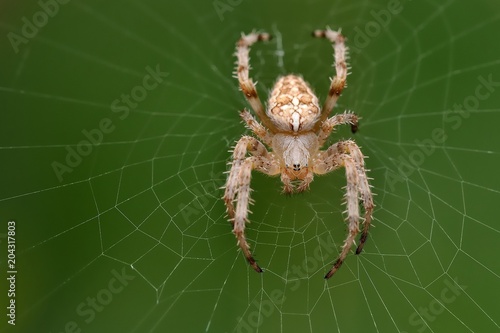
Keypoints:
(362, 241)
(254, 265)
(335, 267)
(354, 128)
(257, 268)
(330, 273)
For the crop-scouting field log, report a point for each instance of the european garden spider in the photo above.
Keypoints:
(295, 128)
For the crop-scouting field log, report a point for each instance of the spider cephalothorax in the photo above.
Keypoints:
(295, 128)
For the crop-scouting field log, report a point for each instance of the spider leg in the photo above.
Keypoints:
(242, 73)
(238, 186)
(352, 148)
(256, 127)
(331, 163)
(339, 80)
(348, 155)
(340, 119)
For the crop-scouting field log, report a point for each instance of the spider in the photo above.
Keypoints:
(295, 128)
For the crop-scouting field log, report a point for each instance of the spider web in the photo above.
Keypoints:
(135, 237)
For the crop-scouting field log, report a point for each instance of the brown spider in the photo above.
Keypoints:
(295, 128)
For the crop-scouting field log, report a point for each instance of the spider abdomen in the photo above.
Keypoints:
(292, 105)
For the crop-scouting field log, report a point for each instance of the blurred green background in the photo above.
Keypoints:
(129, 234)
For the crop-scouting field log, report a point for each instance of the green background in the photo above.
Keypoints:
(145, 202)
